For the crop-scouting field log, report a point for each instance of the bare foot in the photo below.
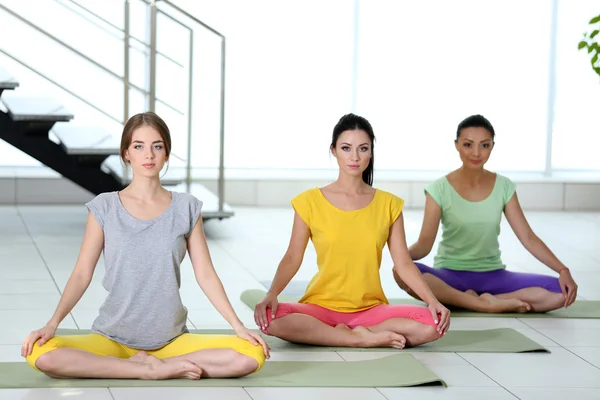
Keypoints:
(369, 338)
(471, 292)
(497, 305)
(141, 356)
(176, 369)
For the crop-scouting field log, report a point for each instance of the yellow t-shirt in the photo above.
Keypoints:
(349, 246)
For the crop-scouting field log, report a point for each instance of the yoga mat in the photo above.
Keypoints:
(579, 309)
(501, 340)
(392, 371)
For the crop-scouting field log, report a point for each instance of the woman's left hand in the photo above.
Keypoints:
(568, 286)
(253, 338)
(441, 316)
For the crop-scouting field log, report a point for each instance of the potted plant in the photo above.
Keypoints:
(590, 43)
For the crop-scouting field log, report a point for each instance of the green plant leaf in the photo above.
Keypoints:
(582, 44)
(594, 59)
(593, 35)
(595, 19)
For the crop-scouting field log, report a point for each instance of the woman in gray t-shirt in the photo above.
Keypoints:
(140, 332)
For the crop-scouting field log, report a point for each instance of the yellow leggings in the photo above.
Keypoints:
(184, 344)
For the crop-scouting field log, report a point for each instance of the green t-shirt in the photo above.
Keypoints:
(470, 229)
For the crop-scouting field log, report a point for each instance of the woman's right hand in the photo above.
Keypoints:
(44, 334)
(260, 311)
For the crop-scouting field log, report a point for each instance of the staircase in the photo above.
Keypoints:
(89, 155)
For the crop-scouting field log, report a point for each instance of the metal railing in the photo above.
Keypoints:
(154, 10)
(151, 52)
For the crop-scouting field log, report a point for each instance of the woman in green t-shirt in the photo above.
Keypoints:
(468, 271)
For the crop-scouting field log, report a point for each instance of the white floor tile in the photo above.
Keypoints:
(559, 369)
(10, 353)
(27, 286)
(541, 393)
(26, 259)
(91, 302)
(32, 319)
(590, 354)
(31, 301)
(84, 318)
(161, 393)
(25, 269)
(314, 393)
(562, 323)
(450, 393)
(13, 336)
(56, 394)
(573, 337)
(22, 322)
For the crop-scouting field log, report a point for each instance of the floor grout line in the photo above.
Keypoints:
(381, 393)
(492, 379)
(563, 347)
(248, 393)
(44, 261)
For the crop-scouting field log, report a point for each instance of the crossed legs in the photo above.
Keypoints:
(189, 356)
(491, 292)
(394, 326)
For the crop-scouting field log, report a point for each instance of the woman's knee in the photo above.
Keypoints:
(428, 333)
(280, 326)
(557, 301)
(247, 357)
(245, 364)
(283, 309)
(45, 363)
(41, 357)
(423, 333)
(283, 321)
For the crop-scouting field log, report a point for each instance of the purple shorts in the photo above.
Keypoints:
(494, 282)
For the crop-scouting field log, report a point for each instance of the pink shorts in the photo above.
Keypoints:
(370, 317)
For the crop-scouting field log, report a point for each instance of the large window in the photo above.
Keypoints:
(425, 66)
(414, 69)
(576, 134)
(289, 79)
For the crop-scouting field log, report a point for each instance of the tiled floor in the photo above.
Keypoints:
(39, 246)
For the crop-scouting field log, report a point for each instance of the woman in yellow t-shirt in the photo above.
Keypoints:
(349, 223)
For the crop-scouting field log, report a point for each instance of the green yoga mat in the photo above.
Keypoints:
(501, 340)
(579, 309)
(393, 371)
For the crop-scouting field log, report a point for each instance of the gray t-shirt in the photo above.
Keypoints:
(143, 309)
